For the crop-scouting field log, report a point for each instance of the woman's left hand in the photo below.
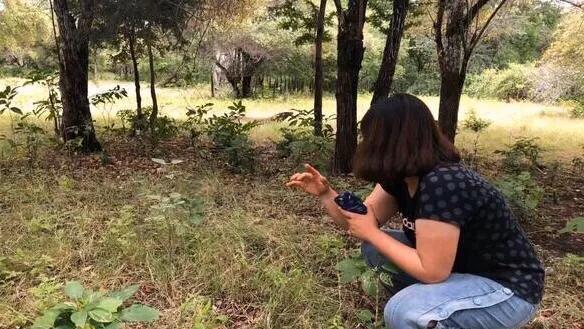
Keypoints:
(360, 226)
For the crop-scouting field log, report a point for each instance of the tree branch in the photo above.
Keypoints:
(579, 5)
(475, 40)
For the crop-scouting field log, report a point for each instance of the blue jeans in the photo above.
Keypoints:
(463, 301)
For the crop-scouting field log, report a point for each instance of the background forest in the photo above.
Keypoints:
(144, 146)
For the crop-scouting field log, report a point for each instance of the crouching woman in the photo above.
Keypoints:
(465, 261)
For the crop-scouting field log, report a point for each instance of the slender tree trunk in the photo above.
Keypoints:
(391, 51)
(349, 57)
(213, 82)
(95, 65)
(73, 70)
(132, 46)
(318, 69)
(154, 113)
(55, 30)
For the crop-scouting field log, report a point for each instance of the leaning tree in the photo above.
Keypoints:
(349, 57)
(458, 28)
(390, 52)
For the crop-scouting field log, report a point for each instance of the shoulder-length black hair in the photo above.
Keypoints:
(400, 139)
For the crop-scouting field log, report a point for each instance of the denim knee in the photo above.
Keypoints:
(400, 313)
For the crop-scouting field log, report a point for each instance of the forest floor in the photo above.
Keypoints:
(263, 256)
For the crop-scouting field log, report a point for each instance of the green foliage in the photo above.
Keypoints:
(522, 192)
(196, 123)
(164, 127)
(299, 142)
(231, 135)
(300, 17)
(574, 225)
(51, 107)
(202, 313)
(512, 83)
(523, 154)
(6, 97)
(90, 309)
(474, 123)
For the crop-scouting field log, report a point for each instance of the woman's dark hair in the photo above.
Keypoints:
(400, 139)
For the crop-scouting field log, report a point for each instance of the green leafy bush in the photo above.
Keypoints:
(231, 135)
(522, 155)
(522, 193)
(512, 83)
(196, 123)
(299, 142)
(165, 127)
(90, 309)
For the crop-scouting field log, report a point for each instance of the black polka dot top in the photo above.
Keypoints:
(491, 243)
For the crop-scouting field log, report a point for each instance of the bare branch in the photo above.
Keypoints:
(477, 38)
(579, 5)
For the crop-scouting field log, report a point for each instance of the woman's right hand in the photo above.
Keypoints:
(310, 181)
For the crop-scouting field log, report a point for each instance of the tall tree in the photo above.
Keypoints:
(309, 22)
(74, 30)
(349, 57)
(458, 28)
(391, 50)
(318, 68)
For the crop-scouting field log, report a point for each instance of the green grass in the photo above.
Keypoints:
(560, 135)
(263, 257)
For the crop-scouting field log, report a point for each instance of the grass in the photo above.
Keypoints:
(558, 134)
(263, 256)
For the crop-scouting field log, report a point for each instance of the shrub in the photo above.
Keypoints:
(476, 125)
(510, 83)
(196, 124)
(300, 144)
(92, 310)
(521, 155)
(522, 192)
(165, 127)
(231, 135)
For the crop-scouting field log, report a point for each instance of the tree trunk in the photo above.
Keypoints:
(154, 113)
(213, 83)
(318, 70)
(391, 51)
(349, 57)
(246, 86)
(451, 87)
(132, 46)
(73, 73)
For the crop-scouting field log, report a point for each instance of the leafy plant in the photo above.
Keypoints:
(51, 107)
(574, 225)
(94, 310)
(196, 124)
(477, 125)
(106, 100)
(167, 210)
(522, 192)
(371, 279)
(33, 137)
(6, 97)
(300, 144)
(522, 155)
(225, 128)
(231, 135)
